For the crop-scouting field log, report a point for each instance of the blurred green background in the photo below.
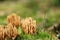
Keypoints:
(45, 12)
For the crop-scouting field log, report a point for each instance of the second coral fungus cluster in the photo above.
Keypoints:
(29, 25)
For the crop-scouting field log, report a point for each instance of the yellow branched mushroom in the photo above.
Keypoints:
(29, 25)
(2, 32)
(11, 31)
(14, 20)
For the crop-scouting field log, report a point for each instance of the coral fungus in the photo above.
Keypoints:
(14, 19)
(11, 31)
(29, 25)
(2, 32)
